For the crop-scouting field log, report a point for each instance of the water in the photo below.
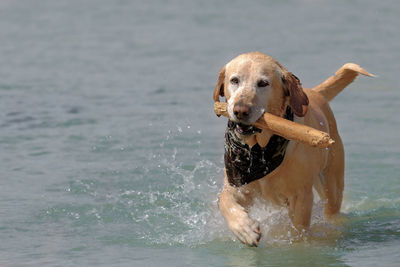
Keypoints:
(112, 156)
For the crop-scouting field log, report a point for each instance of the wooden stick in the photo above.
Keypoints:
(285, 128)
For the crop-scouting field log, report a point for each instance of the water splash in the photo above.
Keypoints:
(171, 200)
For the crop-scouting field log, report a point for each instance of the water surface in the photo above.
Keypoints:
(111, 154)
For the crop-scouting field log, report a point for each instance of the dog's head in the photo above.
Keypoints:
(255, 83)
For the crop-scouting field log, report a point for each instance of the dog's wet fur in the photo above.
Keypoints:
(254, 83)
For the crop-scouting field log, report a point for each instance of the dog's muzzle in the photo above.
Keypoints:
(245, 129)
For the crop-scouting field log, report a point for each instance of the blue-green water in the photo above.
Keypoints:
(112, 156)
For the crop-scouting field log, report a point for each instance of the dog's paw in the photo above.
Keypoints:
(246, 229)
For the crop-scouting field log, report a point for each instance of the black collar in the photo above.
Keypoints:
(244, 164)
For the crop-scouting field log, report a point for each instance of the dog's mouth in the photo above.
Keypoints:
(244, 129)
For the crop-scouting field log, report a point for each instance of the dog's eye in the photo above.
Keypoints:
(234, 80)
(262, 83)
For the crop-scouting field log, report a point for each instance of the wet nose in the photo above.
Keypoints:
(241, 111)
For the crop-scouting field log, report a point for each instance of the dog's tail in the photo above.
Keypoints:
(343, 77)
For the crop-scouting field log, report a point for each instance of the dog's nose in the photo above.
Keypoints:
(241, 111)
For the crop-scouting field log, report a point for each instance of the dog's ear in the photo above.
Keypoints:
(298, 100)
(219, 88)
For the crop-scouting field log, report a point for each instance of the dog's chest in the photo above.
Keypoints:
(245, 164)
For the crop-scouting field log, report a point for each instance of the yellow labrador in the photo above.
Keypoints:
(260, 164)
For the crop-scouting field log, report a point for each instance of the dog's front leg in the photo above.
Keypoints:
(233, 205)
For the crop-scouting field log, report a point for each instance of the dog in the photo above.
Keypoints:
(259, 164)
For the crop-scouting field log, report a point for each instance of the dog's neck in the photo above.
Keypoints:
(244, 163)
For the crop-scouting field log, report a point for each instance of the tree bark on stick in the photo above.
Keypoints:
(285, 128)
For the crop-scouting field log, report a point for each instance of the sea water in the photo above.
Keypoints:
(111, 153)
